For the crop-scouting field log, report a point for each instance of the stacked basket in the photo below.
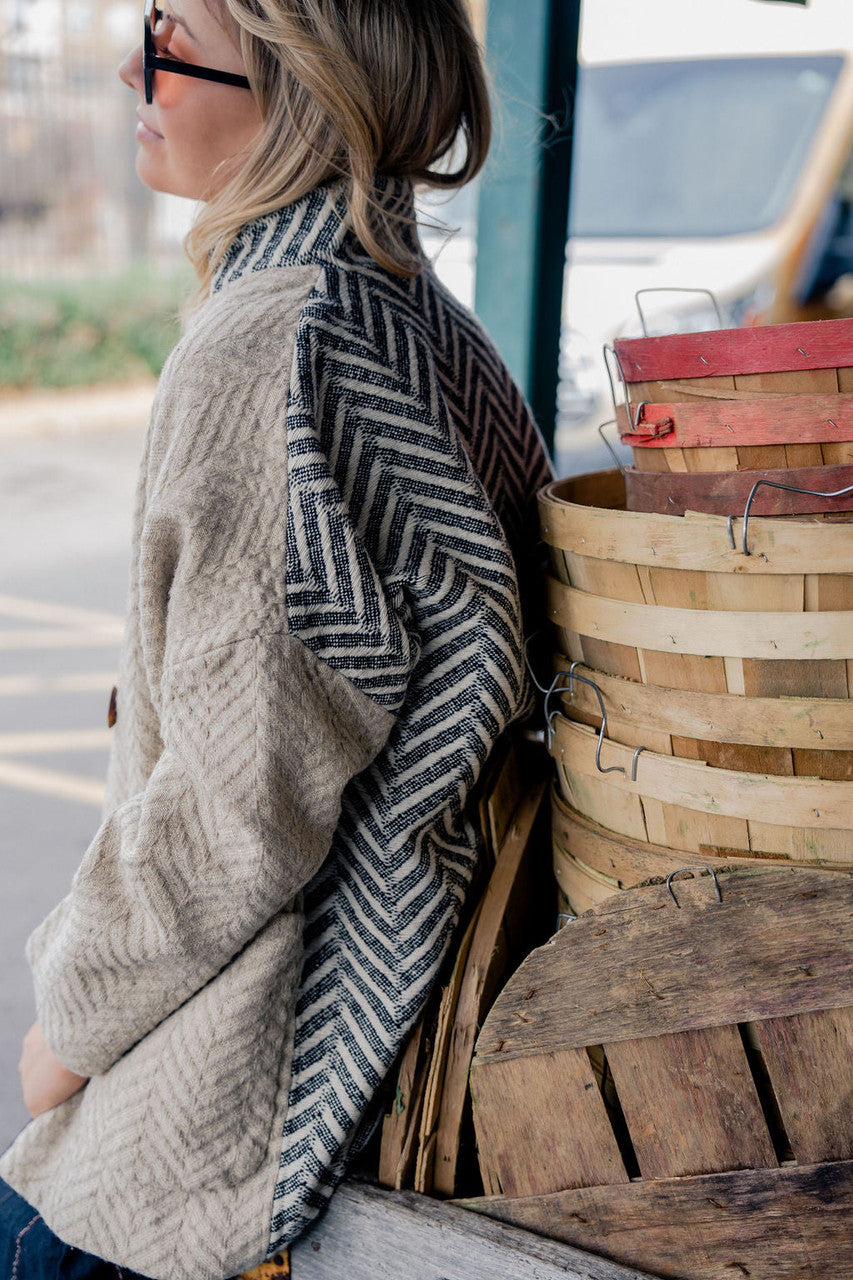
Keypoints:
(724, 677)
(708, 415)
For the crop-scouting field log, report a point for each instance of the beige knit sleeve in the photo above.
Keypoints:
(259, 740)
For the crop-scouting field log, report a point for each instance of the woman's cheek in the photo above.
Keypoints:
(171, 91)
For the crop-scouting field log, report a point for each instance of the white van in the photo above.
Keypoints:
(713, 147)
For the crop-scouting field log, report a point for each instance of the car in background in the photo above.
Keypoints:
(731, 175)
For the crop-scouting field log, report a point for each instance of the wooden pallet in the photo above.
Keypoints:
(669, 1082)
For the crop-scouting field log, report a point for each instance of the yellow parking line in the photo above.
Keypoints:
(59, 639)
(59, 614)
(63, 786)
(42, 742)
(76, 682)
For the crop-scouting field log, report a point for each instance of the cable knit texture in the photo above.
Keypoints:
(323, 642)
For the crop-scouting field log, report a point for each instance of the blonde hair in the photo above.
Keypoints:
(351, 90)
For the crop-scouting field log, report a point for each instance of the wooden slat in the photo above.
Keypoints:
(507, 927)
(810, 802)
(371, 1234)
(780, 942)
(768, 1224)
(820, 723)
(632, 861)
(808, 678)
(425, 1159)
(707, 632)
(824, 344)
(689, 830)
(593, 797)
(766, 421)
(727, 492)
(521, 1108)
(581, 885)
(575, 517)
(809, 1058)
(401, 1126)
(690, 1103)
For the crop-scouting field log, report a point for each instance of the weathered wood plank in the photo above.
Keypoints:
(401, 1125)
(769, 1224)
(425, 1160)
(823, 344)
(767, 421)
(542, 1124)
(690, 1103)
(809, 1058)
(817, 723)
(809, 678)
(780, 942)
(703, 632)
(812, 802)
(726, 493)
(630, 861)
(574, 516)
(503, 935)
(371, 1234)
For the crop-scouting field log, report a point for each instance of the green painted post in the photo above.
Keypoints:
(524, 196)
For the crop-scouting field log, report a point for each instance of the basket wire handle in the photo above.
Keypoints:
(697, 867)
(614, 455)
(789, 488)
(676, 289)
(550, 717)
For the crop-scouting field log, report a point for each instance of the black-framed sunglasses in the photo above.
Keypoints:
(156, 26)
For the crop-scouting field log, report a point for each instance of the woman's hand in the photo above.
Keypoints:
(44, 1080)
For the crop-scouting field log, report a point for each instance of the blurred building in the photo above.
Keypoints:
(69, 196)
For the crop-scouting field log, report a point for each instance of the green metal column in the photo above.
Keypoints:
(524, 197)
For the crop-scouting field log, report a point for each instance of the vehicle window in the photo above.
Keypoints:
(694, 148)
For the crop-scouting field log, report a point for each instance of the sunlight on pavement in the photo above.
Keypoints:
(63, 627)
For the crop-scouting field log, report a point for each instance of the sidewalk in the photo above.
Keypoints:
(74, 410)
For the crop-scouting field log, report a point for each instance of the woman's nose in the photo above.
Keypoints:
(130, 70)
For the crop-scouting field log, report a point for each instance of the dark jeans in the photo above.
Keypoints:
(30, 1251)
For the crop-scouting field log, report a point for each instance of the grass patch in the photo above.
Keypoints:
(106, 329)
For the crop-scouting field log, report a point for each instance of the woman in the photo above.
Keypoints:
(323, 644)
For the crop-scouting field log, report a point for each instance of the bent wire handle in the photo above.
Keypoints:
(697, 867)
(612, 350)
(676, 289)
(549, 719)
(614, 455)
(789, 488)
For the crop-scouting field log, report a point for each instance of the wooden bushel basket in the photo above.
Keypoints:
(674, 601)
(722, 390)
(669, 1081)
(591, 863)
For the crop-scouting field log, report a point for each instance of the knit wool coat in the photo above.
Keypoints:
(323, 642)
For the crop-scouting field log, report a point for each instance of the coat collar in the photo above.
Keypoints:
(311, 230)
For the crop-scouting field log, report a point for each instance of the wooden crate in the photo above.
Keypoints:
(669, 1081)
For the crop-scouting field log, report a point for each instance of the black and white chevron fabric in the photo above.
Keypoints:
(413, 462)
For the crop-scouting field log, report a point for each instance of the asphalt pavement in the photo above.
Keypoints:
(68, 464)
